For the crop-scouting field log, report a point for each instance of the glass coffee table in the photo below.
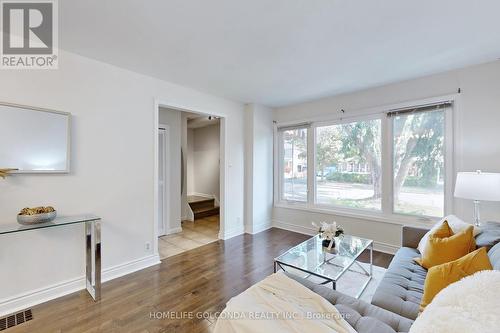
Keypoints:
(311, 258)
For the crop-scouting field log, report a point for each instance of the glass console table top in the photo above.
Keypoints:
(309, 256)
(57, 222)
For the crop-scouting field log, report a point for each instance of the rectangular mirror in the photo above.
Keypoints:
(34, 140)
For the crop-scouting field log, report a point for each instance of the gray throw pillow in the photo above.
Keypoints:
(489, 235)
(494, 255)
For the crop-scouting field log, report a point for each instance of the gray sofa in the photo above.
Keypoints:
(395, 304)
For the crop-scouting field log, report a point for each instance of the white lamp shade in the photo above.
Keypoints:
(478, 186)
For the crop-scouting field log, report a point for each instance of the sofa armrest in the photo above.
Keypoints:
(411, 236)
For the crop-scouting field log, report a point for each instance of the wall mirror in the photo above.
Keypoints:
(34, 140)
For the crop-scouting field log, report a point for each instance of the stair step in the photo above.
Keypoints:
(207, 203)
(206, 211)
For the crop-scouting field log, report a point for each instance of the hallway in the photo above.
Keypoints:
(194, 234)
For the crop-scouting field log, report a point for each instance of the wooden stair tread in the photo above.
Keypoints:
(202, 206)
(204, 209)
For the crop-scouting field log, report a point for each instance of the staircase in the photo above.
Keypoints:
(202, 207)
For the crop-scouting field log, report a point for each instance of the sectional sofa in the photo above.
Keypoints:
(395, 304)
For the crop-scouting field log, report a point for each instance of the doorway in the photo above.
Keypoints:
(163, 172)
(180, 223)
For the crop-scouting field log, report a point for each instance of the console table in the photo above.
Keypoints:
(92, 245)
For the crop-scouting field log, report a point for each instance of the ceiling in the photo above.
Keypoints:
(202, 122)
(199, 120)
(280, 52)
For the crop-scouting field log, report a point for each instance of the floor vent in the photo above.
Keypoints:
(15, 319)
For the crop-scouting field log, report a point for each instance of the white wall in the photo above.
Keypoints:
(184, 145)
(173, 118)
(205, 161)
(477, 121)
(112, 173)
(258, 167)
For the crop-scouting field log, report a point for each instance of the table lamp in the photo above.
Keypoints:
(478, 186)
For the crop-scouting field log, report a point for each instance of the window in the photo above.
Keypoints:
(294, 164)
(418, 166)
(390, 163)
(348, 165)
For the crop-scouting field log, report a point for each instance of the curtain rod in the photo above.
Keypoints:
(294, 126)
(419, 108)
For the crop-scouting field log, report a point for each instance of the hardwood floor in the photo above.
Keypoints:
(189, 287)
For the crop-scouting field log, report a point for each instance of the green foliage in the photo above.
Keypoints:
(345, 177)
(418, 150)
(356, 141)
(328, 147)
(419, 145)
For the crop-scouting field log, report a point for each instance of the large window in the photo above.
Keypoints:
(294, 164)
(394, 162)
(418, 165)
(348, 165)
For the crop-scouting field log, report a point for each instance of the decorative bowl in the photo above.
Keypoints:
(37, 218)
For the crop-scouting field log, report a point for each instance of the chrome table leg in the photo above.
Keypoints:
(93, 258)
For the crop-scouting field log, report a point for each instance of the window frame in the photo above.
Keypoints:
(387, 212)
(448, 159)
(281, 167)
(341, 122)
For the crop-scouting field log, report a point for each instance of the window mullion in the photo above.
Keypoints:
(387, 166)
(281, 180)
(448, 161)
(311, 166)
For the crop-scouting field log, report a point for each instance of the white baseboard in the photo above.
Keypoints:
(208, 196)
(174, 230)
(384, 247)
(130, 267)
(203, 195)
(255, 229)
(41, 295)
(233, 232)
(378, 246)
(295, 228)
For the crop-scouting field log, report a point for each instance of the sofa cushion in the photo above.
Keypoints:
(362, 316)
(494, 255)
(441, 276)
(443, 246)
(402, 286)
(456, 225)
(489, 235)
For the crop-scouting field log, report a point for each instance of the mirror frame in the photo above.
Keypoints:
(68, 138)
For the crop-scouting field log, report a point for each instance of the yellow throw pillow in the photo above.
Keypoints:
(473, 246)
(440, 250)
(442, 231)
(440, 276)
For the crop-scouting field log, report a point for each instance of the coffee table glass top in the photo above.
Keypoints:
(310, 256)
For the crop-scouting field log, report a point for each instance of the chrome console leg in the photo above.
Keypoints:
(93, 258)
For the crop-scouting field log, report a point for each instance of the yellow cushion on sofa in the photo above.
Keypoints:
(440, 250)
(442, 231)
(440, 276)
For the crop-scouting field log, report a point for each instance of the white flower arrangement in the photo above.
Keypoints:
(329, 231)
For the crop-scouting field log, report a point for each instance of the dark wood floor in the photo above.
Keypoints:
(198, 282)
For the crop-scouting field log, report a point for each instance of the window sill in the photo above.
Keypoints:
(363, 215)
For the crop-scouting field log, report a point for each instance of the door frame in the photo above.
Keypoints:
(223, 151)
(166, 179)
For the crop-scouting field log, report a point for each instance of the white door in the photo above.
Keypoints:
(162, 143)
